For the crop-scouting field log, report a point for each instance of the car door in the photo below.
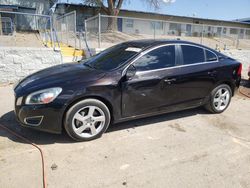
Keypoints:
(194, 78)
(144, 92)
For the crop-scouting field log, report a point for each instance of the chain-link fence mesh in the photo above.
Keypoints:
(104, 31)
(24, 29)
(93, 32)
(65, 27)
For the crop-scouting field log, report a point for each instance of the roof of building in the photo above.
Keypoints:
(15, 7)
(243, 20)
(159, 14)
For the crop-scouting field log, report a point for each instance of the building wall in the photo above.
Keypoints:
(82, 13)
(133, 26)
(145, 27)
(27, 22)
(41, 6)
(181, 19)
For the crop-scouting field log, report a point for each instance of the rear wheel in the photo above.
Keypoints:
(220, 99)
(87, 120)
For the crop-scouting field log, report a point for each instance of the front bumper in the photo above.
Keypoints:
(46, 118)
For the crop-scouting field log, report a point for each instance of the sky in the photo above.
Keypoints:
(211, 9)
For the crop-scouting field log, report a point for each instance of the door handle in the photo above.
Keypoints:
(212, 73)
(169, 81)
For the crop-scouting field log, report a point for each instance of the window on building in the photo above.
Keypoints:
(219, 30)
(129, 23)
(162, 57)
(157, 25)
(224, 30)
(192, 54)
(233, 31)
(173, 26)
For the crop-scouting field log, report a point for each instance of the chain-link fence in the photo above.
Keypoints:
(67, 34)
(93, 32)
(25, 29)
(103, 31)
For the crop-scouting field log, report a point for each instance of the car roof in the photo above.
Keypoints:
(148, 43)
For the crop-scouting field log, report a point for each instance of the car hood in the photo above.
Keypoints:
(58, 75)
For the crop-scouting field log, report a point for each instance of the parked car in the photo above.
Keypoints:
(130, 80)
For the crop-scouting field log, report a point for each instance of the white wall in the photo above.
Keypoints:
(16, 63)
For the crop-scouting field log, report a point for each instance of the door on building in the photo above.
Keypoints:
(189, 29)
(119, 21)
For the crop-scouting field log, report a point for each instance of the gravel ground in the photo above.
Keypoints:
(183, 149)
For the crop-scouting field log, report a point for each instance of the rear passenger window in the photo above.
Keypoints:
(192, 54)
(162, 57)
(210, 56)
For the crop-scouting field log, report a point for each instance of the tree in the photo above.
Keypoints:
(112, 8)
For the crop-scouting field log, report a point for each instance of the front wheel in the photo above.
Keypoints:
(87, 120)
(220, 99)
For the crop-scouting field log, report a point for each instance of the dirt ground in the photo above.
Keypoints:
(191, 148)
(24, 39)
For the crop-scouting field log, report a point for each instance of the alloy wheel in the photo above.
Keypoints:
(221, 99)
(88, 121)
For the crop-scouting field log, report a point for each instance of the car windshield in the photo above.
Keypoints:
(113, 57)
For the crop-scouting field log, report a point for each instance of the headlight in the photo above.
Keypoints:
(43, 96)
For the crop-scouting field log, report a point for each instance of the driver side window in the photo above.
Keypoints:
(159, 58)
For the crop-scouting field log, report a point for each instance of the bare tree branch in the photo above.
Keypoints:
(119, 4)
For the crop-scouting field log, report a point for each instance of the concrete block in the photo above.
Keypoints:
(16, 63)
(12, 67)
(21, 73)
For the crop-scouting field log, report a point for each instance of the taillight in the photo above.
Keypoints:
(239, 70)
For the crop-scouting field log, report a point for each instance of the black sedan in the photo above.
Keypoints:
(127, 81)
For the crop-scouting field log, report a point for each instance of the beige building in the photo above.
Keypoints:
(147, 23)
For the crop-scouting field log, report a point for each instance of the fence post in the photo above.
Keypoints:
(220, 38)
(75, 28)
(36, 23)
(238, 38)
(67, 30)
(80, 46)
(51, 32)
(99, 30)
(85, 29)
(1, 30)
(154, 30)
(202, 33)
(61, 30)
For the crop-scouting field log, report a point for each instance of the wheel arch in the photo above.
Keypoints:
(229, 83)
(102, 99)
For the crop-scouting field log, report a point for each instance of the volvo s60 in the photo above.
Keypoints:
(130, 80)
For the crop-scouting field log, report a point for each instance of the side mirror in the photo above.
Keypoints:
(130, 72)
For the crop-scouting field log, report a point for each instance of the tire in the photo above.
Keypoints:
(87, 120)
(219, 99)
